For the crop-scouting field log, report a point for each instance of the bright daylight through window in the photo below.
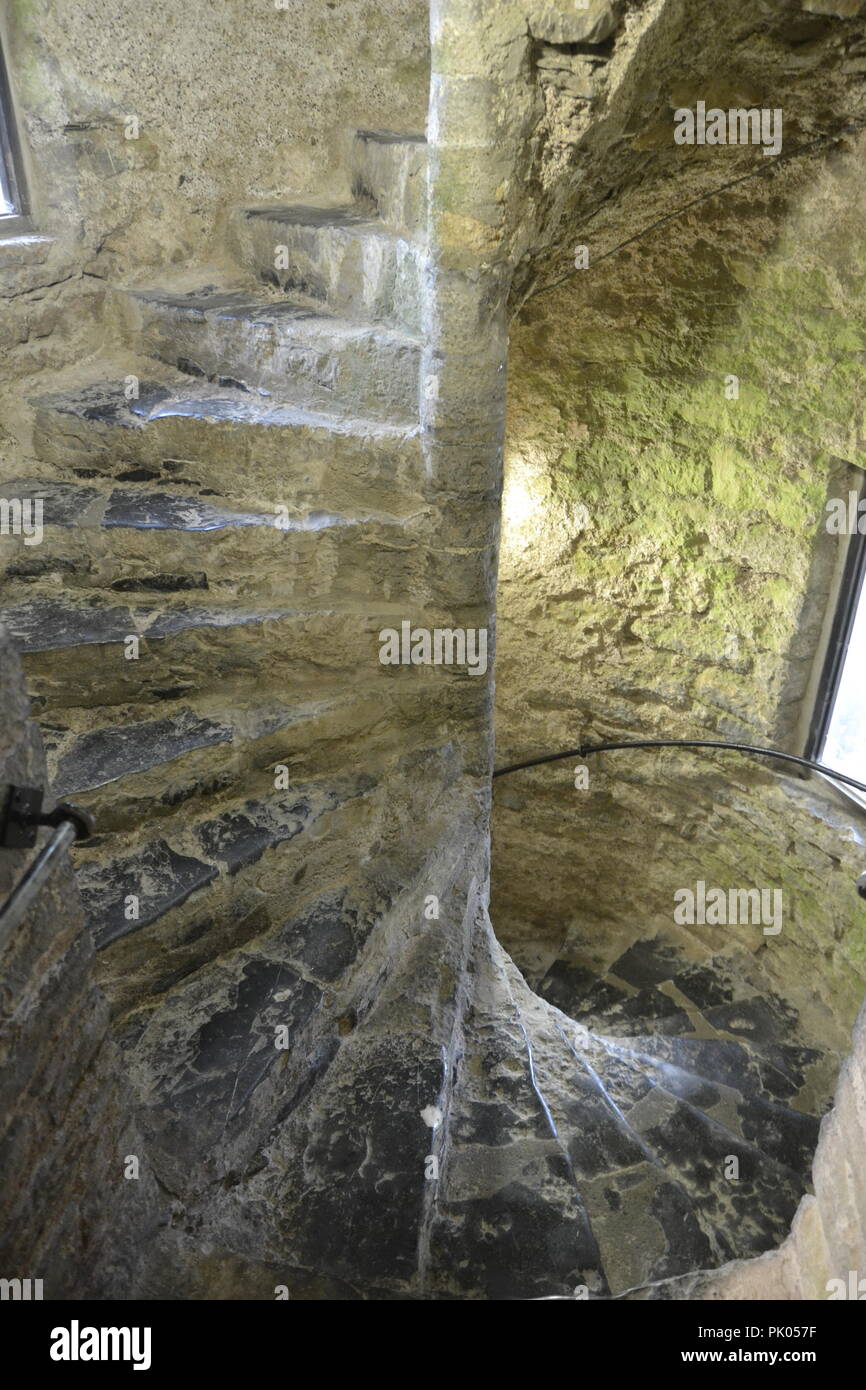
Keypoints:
(11, 191)
(845, 743)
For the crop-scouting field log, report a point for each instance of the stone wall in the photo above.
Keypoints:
(665, 572)
(78, 1204)
(246, 103)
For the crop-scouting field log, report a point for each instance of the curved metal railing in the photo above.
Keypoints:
(586, 749)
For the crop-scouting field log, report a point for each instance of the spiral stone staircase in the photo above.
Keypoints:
(203, 535)
(235, 502)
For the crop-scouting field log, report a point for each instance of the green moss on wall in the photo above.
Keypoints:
(687, 603)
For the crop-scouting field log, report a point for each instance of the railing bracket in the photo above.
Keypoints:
(23, 816)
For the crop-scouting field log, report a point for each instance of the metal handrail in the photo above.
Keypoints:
(22, 819)
(26, 892)
(585, 749)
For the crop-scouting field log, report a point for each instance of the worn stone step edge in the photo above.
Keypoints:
(184, 858)
(84, 760)
(285, 352)
(67, 505)
(85, 624)
(334, 256)
(103, 401)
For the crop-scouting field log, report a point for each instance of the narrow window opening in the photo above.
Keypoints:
(13, 204)
(838, 733)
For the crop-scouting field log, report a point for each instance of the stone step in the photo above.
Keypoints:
(182, 649)
(163, 871)
(43, 625)
(777, 1074)
(80, 761)
(132, 765)
(390, 170)
(155, 654)
(134, 506)
(779, 1133)
(711, 1010)
(337, 256)
(217, 1086)
(507, 1192)
(126, 767)
(641, 1135)
(267, 866)
(152, 539)
(542, 1123)
(285, 351)
(650, 1145)
(228, 444)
